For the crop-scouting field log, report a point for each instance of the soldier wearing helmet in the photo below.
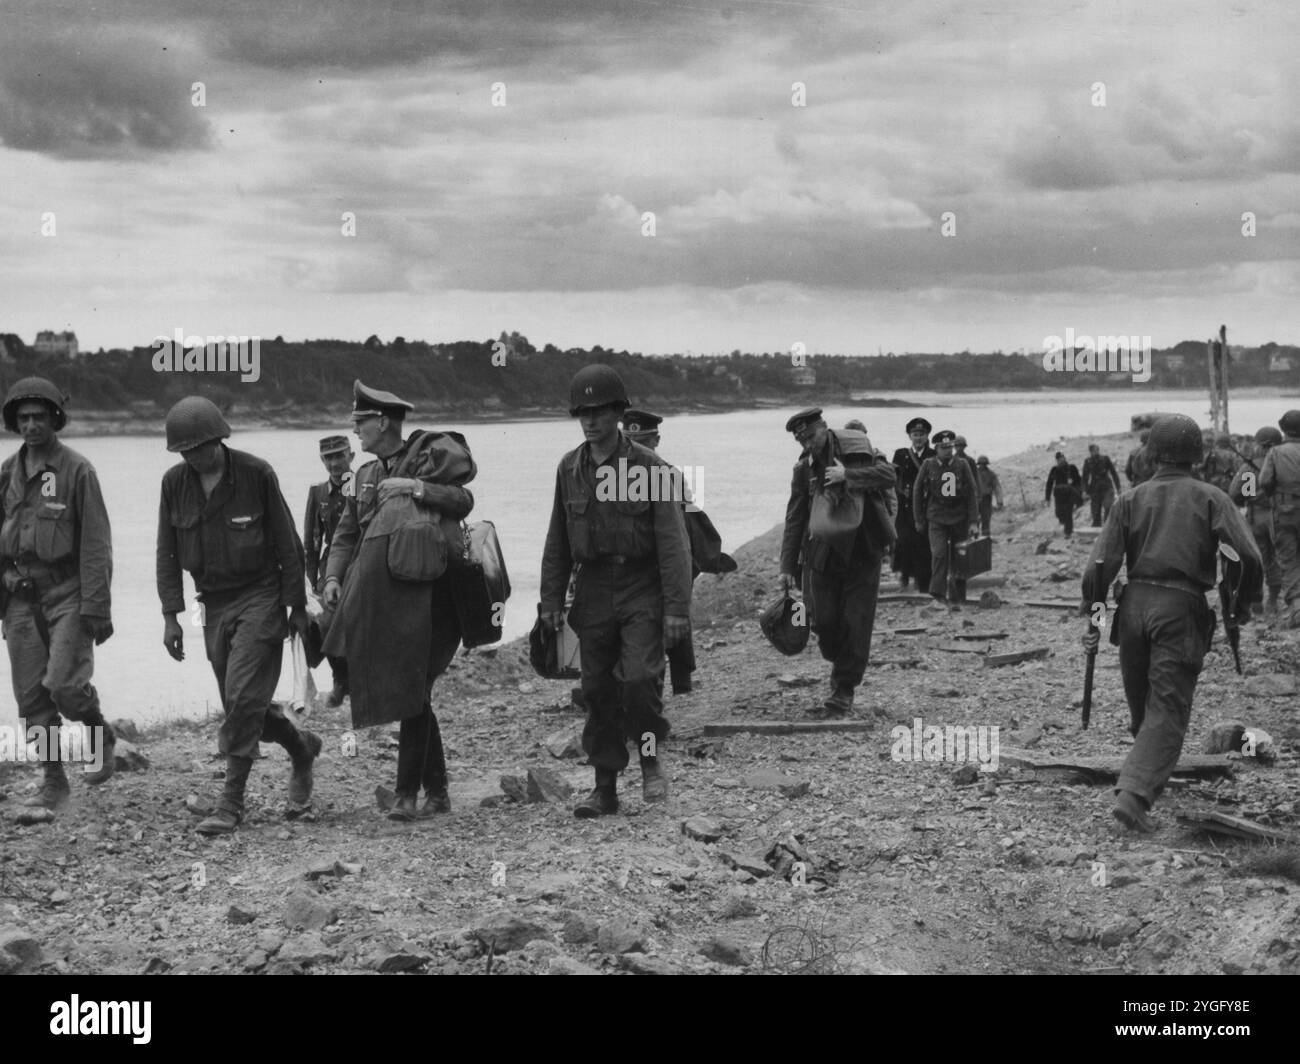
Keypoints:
(1279, 482)
(56, 558)
(1245, 491)
(223, 519)
(633, 591)
(1140, 466)
(1221, 461)
(1167, 531)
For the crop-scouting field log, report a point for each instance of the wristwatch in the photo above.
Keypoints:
(419, 490)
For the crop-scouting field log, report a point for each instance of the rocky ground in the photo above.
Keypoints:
(777, 853)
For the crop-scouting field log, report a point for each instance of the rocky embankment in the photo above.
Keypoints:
(812, 851)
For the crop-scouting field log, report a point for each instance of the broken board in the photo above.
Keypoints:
(1016, 657)
(1216, 823)
(787, 727)
(1107, 769)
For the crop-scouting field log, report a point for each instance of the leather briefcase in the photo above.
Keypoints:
(972, 557)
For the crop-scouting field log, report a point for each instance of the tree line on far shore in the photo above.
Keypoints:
(510, 375)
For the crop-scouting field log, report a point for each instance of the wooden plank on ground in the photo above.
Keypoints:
(987, 580)
(974, 635)
(958, 648)
(1106, 769)
(1211, 820)
(918, 629)
(787, 727)
(1050, 604)
(918, 600)
(902, 663)
(1016, 657)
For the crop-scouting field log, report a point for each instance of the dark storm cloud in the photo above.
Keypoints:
(87, 97)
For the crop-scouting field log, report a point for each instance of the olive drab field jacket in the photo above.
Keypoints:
(57, 517)
(588, 526)
(241, 535)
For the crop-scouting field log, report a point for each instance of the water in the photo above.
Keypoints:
(745, 458)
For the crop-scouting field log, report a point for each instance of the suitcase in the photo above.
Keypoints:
(480, 586)
(972, 557)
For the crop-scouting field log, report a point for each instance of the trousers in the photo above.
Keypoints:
(618, 615)
(842, 606)
(51, 658)
(420, 756)
(1286, 544)
(986, 514)
(244, 633)
(1261, 527)
(1064, 499)
(942, 538)
(1163, 636)
(1101, 502)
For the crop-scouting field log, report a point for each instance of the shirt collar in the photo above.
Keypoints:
(55, 459)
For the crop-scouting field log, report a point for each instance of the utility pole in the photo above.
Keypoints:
(1216, 355)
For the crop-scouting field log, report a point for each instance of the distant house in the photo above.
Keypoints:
(803, 377)
(1281, 364)
(52, 343)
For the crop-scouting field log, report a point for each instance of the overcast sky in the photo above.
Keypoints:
(774, 224)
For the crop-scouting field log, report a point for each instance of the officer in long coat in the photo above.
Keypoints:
(836, 534)
(912, 554)
(56, 557)
(633, 591)
(398, 635)
(1167, 531)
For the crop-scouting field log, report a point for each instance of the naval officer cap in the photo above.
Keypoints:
(804, 417)
(334, 445)
(640, 421)
(919, 423)
(946, 436)
(367, 401)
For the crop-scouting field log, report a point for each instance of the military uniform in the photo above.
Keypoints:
(835, 539)
(1279, 483)
(912, 554)
(635, 570)
(1100, 484)
(326, 504)
(400, 635)
(1065, 488)
(57, 558)
(1140, 466)
(1167, 530)
(241, 548)
(990, 489)
(944, 501)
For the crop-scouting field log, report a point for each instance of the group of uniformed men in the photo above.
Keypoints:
(629, 558)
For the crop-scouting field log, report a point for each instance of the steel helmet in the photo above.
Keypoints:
(1176, 438)
(35, 388)
(1290, 422)
(193, 422)
(1268, 436)
(596, 385)
(779, 625)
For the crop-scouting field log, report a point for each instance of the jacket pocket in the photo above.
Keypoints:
(578, 519)
(247, 541)
(633, 529)
(54, 532)
(189, 545)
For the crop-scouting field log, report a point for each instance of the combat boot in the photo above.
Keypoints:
(1131, 812)
(108, 749)
(838, 704)
(404, 809)
(221, 821)
(230, 806)
(300, 780)
(54, 790)
(436, 803)
(654, 782)
(603, 800)
(335, 697)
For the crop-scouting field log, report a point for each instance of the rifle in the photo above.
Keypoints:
(1091, 654)
(1228, 600)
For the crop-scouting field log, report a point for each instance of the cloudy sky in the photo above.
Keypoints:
(774, 224)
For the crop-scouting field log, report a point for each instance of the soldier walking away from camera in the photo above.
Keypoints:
(1140, 468)
(326, 502)
(1168, 532)
(1279, 482)
(707, 556)
(56, 556)
(946, 510)
(837, 531)
(223, 519)
(990, 490)
(1100, 483)
(398, 635)
(912, 554)
(1064, 487)
(633, 593)
(1221, 462)
(1245, 491)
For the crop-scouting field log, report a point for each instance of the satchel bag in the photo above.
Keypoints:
(480, 584)
(417, 548)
